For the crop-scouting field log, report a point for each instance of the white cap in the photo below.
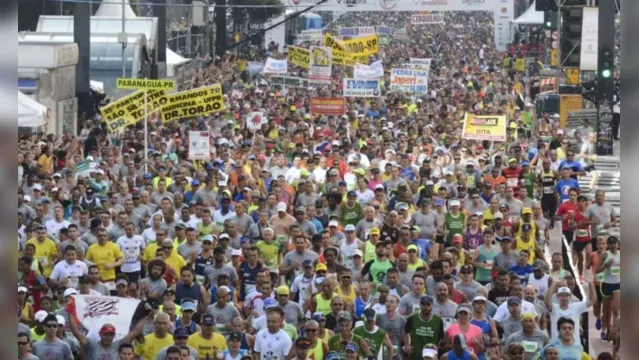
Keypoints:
(359, 253)
(90, 158)
(555, 116)
(479, 298)
(429, 353)
(498, 215)
(333, 223)
(430, 183)
(335, 143)
(563, 290)
(61, 320)
(236, 252)
(281, 207)
(37, 187)
(560, 132)
(99, 171)
(390, 151)
(379, 186)
(55, 189)
(222, 183)
(57, 175)
(22, 289)
(27, 198)
(448, 172)
(470, 162)
(349, 227)
(454, 203)
(70, 291)
(40, 315)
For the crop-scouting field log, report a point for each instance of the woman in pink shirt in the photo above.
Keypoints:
(471, 332)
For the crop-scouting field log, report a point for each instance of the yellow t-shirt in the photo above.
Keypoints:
(530, 246)
(107, 254)
(45, 162)
(175, 261)
(269, 252)
(416, 265)
(206, 349)
(152, 346)
(149, 252)
(45, 252)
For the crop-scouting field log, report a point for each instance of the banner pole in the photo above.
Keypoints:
(146, 135)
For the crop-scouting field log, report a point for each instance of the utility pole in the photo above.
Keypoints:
(605, 77)
(123, 39)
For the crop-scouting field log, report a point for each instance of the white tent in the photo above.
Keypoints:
(530, 17)
(114, 8)
(30, 112)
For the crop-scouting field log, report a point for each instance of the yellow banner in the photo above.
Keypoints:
(299, 56)
(489, 127)
(572, 76)
(568, 104)
(135, 84)
(193, 103)
(345, 59)
(130, 109)
(366, 45)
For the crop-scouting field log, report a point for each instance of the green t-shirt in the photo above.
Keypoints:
(529, 184)
(205, 229)
(374, 340)
(455, 225)
(291, 331)
(351, 216)
(269, 252)
(335, 344)
(378, 270)
(423, 332)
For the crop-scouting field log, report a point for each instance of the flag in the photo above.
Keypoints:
(94, 311)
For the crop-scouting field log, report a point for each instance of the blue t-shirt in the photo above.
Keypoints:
(572, 352)
(424, 246)
(575, 166)
(563, 187)
(522, 272)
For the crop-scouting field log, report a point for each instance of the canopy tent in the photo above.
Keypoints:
(530, 17)
(30, 112)
(115, 8)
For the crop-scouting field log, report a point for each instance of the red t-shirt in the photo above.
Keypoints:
(567, 208)
(582, 233)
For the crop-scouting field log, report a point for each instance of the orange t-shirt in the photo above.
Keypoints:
(495, 181)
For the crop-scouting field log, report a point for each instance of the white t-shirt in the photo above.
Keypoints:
(53, 227)
(64, 270)
(365, 197)
(502, 312)
(131, 248)
(573, 312)
(272, 346)
(149, 235)
(301, 284)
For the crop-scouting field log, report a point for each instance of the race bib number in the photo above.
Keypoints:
(615, 270)
(599, 277)
(549, 190)
(582, 232)
(530, 346)
(512, 182)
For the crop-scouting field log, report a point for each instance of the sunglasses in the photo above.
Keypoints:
(23, 343)
(167, 247)
(516, 352)
(310, 330)
(51, 326)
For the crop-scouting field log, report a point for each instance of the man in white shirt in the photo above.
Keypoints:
(66, 273)
(272, 343)
(132, 246)
(54, 225)
(567, 309)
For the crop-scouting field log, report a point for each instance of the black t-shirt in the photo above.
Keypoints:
(498, 296)
(555, 144)
(390, 234)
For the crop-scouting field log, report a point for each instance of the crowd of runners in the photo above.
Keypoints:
(379, 234)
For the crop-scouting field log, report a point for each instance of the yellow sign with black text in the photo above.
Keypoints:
(193, 103)
(489, 127)
(568, 104)
(137, 84)
(366, 45)
(572, 76)
(299, 56)
(130, 109)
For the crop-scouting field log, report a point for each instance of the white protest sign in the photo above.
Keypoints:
(427, 19)
(409, 80)
(273, 66)
(255, 120)
(321, 65)
(420, 63)
(362, 88)
(372, 71)
(354, 32)
(199, 145)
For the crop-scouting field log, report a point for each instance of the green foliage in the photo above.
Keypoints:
(256, 14)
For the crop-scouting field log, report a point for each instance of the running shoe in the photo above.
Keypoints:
(604, 336)
(598, 324)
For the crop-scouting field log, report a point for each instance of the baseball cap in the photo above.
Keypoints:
(307, 263)
(429, 353)
(208, 319)
(349, 227)
(40, 315)
(181, 333)
(207, 238)
(505, 238)
(464, 308)
(321, 267)
(564, 290)
(269, 303)
(440, 202)
(22, 289)
(283, 290)
(359, 253)
(498, 215)
(303, 342)
(281, 207)
(351, 346)
(235, 335)
(344, 315)
(351, 193)
(318, 316)
(426, 299)
(122, 282)
(454, 203)
(107, 329)
(402, 206)
(514, 300)
(219, 249)
(61, 320)
(526, 210)
(69, 292)
(333, 223)
(479, 298)
(189, 306)
(412, 247)
(369, 314)
(236, 252)
(374, 231)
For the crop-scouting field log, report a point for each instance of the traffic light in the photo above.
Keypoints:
(607, 61)
(571, 23)
(550, 20)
